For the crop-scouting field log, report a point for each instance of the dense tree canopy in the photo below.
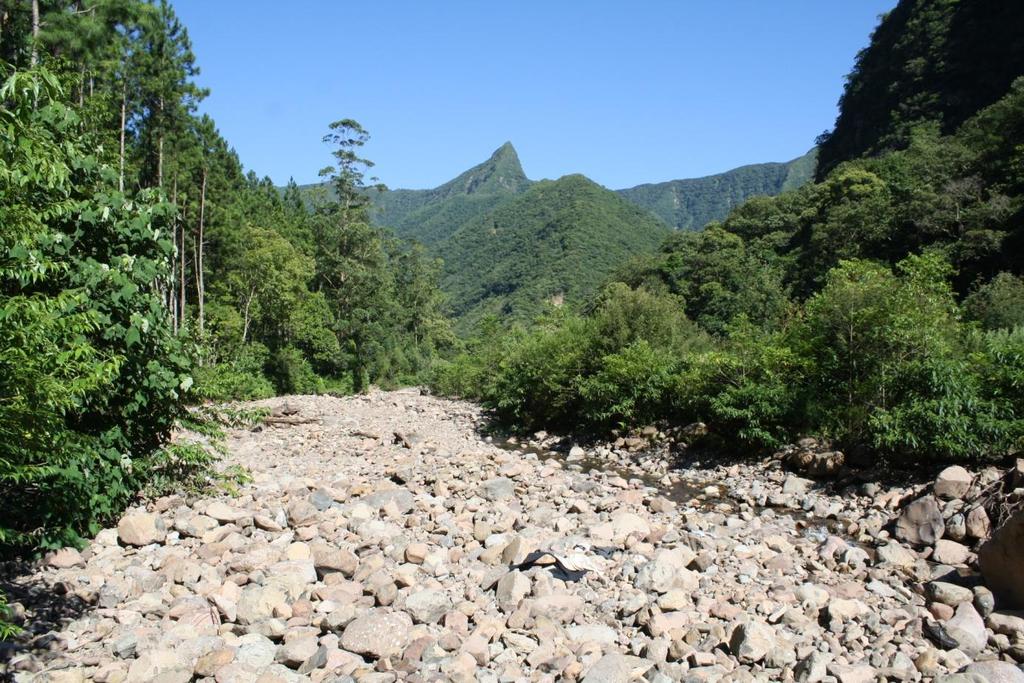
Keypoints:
(929, 61)
(142, 269)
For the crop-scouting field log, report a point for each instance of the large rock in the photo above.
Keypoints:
(950, 552)
(994, 671)
(402, 498)
(327, 558)
(624, 524)
(297, 650)
(511, 589)
(294, 577)
(500, 488)
(921, 522)
(141, 528)
(751, 641)
(967, 628)
(666, 571)
(257, 603)
(815, 463)
(301, 512)
(978, 524)
(428, 606)
(813, 668)
(1010, 625)
(948, 593)
(1001, 559)
(592, 633)
(224, 513)
(255, 651)
(65, 558)
(953, 482)
(855, 673)
(168, 664)
(618, 668)
(378, 634)
(895, 554)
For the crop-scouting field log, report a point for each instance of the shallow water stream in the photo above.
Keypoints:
(686, 490)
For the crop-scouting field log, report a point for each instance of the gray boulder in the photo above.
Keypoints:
(921, 522)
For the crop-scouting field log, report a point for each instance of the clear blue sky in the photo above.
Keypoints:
(624, 92)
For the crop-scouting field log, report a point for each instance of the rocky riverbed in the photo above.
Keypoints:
(384, 538)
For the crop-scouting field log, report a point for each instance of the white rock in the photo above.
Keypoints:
(950, 552)
(953, 482)
(141, 528)
(751, 641)
(378, 634)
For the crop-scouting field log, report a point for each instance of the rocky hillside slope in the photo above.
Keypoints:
(383, 539)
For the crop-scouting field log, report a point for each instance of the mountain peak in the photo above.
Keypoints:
(500, 174)
(507, 150)
(505, 160)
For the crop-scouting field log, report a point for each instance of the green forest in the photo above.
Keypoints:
(870, 292)
(143, 271)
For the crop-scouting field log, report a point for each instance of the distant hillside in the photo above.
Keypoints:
(510, 244)
(556, 242)
(692, 204)
(430, 216)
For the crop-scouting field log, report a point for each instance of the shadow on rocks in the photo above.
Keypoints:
(41, 608)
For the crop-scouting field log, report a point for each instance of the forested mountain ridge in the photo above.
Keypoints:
(554, 243)
(931, 62)
(693, 203)
(429, 216)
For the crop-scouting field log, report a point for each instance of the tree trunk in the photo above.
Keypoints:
(181, 273)
(124, 122)
(172, 293)
(195, 259)
(160, 144)
(35, 32)
(245, 314)
(172, 289)
(200, 280)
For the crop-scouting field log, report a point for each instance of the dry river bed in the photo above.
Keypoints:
(383, 538)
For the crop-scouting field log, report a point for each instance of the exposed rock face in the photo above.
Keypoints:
(382, 539)
(1002, 562)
